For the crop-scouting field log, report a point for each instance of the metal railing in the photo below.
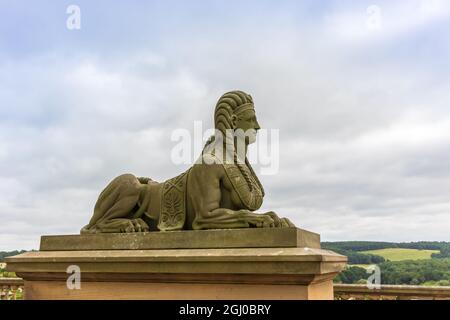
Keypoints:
(390, 292)
(11, 288)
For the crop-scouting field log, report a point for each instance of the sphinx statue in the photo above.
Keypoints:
(220, 191)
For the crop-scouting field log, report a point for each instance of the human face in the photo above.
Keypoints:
(248, 123)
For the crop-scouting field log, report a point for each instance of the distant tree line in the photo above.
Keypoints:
(415, 272)
(407, 272)
(356, 257)
(352, 275)
(4, 254)
(444, 254)
(435, 271)
(359, 245)
(348, 248)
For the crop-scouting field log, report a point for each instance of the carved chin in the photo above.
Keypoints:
(251, 138)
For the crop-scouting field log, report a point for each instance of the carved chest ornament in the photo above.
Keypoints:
(173, 203)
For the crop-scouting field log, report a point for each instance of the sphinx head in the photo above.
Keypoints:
(235, 111)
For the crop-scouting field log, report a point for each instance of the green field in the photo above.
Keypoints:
(399, 254)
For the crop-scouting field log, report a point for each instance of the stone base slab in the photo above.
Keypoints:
(108, 272)
(55, 290)
(200, 239)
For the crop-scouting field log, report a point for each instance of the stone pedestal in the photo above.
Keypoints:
(212, 264)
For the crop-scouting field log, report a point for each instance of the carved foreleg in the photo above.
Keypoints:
(205, 195)
(230, 219)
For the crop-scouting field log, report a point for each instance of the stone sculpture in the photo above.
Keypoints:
(220, 191)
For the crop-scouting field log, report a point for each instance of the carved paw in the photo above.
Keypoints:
(257, 220)
(280, 222)
(261, 222)
(134, 225)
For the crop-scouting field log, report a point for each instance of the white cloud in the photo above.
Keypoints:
(384, 20)
(364, 133)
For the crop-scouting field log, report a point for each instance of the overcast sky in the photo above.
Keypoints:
(360, 94)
